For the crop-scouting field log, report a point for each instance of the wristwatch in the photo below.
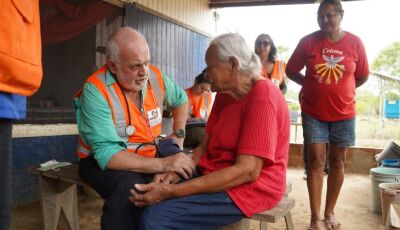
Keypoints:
(180, 133)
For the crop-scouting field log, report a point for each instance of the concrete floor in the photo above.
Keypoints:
(354, 208)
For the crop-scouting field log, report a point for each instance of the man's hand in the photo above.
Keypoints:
(179, 163)
(166, 178)
(148, 194)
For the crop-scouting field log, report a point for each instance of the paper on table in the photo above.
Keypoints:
(52, 165)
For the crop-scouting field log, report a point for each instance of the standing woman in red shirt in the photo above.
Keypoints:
(336, 63)
(272, 68)
(242, 158)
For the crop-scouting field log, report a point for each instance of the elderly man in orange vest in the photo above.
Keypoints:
(119, 116)
(20, 76)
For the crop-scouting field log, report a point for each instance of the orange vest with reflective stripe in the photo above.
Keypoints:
(146, 121)
(199, 107)
(277, 73)
(20, 47)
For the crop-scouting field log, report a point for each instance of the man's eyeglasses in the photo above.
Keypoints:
(264, 43)
(137, 66)
(328, 16)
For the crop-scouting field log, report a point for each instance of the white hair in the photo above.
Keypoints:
(233, 45)
(112, 48)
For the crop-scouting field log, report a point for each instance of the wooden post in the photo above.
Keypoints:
(56, 196)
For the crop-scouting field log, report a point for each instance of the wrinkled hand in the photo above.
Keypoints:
(179, 163)
(148, 194)
(166, 178)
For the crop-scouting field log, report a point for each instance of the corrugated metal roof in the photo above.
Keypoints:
(233, 3)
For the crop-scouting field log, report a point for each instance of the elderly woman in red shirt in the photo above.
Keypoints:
(242, 159)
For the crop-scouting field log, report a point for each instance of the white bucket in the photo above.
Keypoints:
(381, 175)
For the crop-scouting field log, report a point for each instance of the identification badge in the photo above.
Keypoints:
(154, 116)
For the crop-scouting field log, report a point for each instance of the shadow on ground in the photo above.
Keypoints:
(354, 208)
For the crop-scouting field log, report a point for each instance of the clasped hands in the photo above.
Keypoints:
(162, 187)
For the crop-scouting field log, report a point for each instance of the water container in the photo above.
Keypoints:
(389, 192)
(381, 175)
(392, 108)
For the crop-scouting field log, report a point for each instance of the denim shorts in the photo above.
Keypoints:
(338, 133)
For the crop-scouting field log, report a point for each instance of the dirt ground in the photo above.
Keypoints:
(354, 208)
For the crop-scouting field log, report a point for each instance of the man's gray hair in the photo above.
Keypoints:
(233, 45)
(112, 48)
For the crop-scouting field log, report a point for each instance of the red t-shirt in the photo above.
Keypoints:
(331, 69)
(258, 125)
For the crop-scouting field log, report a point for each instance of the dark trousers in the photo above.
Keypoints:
(5, 173)
(208, 211)
(113, 186)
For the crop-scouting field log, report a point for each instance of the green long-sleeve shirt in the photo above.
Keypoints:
(95, 123)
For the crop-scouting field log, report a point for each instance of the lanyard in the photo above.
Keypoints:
(130, 129)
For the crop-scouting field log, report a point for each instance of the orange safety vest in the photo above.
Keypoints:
(20, 47)
(277, 73)
(147, 123)
(199, 107)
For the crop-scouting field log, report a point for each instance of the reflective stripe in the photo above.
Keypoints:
(145, 149)
(280, 71)
(115, 98)
(119, 114)
(83, 149)
(155, 84)
(207, 102)
(200, 107)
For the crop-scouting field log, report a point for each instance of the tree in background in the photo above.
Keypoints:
(367, 103)
(388, 62)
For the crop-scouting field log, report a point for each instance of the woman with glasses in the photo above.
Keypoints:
(272, 68)
(336, 63)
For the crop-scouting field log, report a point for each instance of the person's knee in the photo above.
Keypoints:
(316, 162)
(150, 220)
(117, 196)
(336, 162)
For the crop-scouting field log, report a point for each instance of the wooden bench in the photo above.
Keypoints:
(281, 210)
(58, 191)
